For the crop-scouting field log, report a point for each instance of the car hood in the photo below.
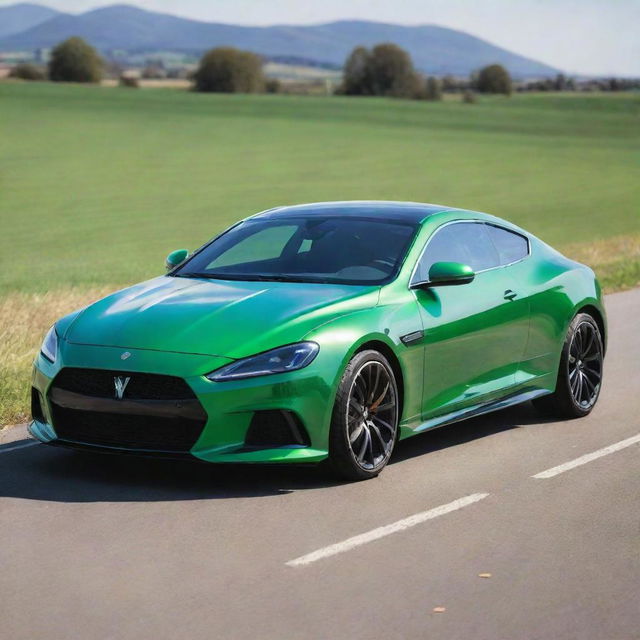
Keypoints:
(214, 317)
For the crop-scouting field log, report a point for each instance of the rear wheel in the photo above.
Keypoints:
(364, 423)
(580, 374)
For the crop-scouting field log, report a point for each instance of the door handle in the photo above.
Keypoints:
(510, 295)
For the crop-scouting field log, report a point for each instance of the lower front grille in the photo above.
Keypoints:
(276, 428)
(36, 405)
(87, 415)
(149, 433)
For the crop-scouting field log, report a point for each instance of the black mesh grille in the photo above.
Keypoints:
(143, 386)
(148, 433)
(275, 428)
(36, 405)
(85, 410)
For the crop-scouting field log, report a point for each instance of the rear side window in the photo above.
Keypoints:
(511, 246)
(465, 242)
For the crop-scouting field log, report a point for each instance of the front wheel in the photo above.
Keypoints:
(580, 374)
(364, 424)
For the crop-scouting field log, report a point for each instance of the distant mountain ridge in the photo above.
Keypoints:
(434, 49)
(18, 17)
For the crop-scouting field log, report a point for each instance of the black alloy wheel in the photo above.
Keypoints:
(364, 426)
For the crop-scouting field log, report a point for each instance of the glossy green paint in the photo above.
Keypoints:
(472, 349)
(448, 274)
(175, 258)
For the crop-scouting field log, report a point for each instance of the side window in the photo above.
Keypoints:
(465, 242)
(305, 246)
(510, 246)
(265, 244)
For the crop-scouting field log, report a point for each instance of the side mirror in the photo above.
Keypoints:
(175, 258)
(442, 274)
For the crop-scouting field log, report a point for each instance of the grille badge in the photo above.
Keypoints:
(120, 383)
(125, 355)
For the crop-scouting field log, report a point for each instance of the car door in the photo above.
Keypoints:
(540, 356)
(474, 334)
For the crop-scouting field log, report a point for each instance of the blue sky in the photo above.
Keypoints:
(581, 36)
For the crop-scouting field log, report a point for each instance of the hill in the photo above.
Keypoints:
(19, 17)
(122, 27)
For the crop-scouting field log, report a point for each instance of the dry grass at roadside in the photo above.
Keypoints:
(616, 260)
(25, 317)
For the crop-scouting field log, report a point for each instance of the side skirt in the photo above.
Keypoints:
(478, 410)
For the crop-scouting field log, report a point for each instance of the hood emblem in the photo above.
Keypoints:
(120, 383)
(125, 355)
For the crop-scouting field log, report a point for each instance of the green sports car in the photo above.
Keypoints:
(325, 332)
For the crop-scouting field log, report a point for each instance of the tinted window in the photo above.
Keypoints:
(265, 244)
(313, 249)
(465, 242)
(511, 246)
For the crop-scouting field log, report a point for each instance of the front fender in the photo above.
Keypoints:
(382, 328)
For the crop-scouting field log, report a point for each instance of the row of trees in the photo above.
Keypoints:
(224, 70)
(387, 70)
(73, 60)
(384, 70)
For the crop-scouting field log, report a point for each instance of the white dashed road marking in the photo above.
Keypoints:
(589, 457)
(381, 532)
(18, 446)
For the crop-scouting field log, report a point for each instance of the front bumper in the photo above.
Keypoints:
(229, 406)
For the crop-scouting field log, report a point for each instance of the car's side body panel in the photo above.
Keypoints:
(556, 289)
(473, 342)
(518, 341)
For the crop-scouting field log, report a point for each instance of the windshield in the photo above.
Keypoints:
(314, 249)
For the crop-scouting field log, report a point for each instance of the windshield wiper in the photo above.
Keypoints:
(280, 278)
(260, 277)
(209, 276)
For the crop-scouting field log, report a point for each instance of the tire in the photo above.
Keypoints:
(364, 423)
(580, 373)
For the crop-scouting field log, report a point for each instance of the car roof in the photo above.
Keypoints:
(414, 212)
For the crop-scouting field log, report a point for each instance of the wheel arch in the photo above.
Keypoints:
(598, 316)
(388, 353)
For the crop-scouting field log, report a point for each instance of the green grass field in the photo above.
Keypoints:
(97, 185)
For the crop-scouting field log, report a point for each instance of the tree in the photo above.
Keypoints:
(392, 72)
(433, 89)
(129, 81)
(494, 79)
(75, 61)
(450, 84)
(468, 97)
(386, 70)
(273, 85)
(27, 71)
(560, 82)
(356, 73)
(229, 70)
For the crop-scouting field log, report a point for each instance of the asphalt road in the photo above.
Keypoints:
(103, 547)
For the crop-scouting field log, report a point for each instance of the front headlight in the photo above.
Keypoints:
(280, 360)
(49, 346)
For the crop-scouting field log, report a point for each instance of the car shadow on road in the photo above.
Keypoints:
(461, 432)
(51, 474)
